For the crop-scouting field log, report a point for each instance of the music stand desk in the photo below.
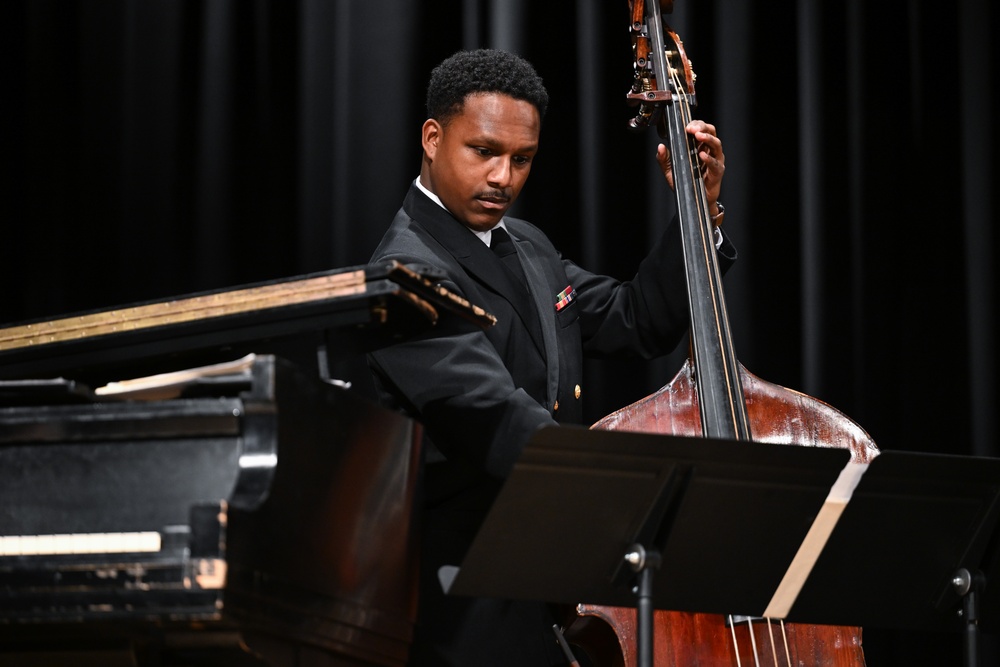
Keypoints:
(727, 519)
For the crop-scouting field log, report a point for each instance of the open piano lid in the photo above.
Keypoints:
(381, 302)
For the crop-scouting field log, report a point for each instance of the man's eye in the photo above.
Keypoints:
(522, 159)
(485, 152)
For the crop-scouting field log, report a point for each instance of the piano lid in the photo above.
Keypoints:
(94, 346)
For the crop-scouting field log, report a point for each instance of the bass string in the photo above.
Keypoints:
(683, 105)
(754, 651)
(679, 121)
(753, 642)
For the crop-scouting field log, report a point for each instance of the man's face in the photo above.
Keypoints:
(478, 162)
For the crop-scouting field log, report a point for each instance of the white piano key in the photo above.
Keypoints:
(80, 543)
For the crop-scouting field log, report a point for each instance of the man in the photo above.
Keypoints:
(481, 395)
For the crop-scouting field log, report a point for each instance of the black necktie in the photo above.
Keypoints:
(503, 247)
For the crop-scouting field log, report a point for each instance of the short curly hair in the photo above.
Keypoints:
(482, 71)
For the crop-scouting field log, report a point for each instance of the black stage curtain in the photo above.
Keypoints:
(160, 147)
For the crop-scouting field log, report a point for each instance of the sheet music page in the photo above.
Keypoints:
(170, 385)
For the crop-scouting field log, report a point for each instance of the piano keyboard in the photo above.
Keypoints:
(79, 543)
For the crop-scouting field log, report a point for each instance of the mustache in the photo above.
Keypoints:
(494, 194)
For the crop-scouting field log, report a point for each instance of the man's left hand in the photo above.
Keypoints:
(713, 161)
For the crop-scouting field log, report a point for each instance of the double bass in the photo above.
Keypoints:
(712, 395)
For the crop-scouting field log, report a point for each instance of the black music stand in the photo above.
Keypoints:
(724, 520)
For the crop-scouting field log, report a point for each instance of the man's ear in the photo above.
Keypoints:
(430, 135)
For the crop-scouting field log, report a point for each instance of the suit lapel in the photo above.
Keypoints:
(541, 296)
(478, 260)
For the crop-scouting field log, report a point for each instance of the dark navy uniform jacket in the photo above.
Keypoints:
(481, 394)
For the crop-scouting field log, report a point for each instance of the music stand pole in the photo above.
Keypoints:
(968, 586)
(643, 562)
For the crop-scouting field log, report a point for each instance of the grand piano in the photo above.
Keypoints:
(248, 511)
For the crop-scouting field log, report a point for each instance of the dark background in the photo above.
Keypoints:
(154, 148)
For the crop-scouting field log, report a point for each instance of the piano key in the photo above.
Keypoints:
(80, 543)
